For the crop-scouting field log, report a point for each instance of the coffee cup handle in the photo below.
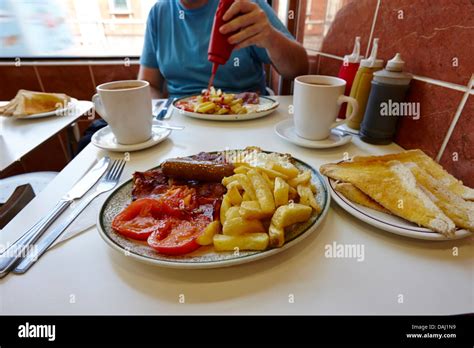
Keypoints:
(98, 105)
(355, 108)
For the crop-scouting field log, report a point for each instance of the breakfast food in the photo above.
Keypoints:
(359, 197)
(427, 163)
(28, 103)
(409, 185)
(243, 200)
(212, 101)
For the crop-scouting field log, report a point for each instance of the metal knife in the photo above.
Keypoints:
(10, 257)
(164, 110)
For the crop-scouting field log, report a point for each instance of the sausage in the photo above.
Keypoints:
(190, 169)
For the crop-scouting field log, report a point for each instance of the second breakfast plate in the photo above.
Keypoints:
(265, 107)
(204, 257)
(389, 223)
(57, 112)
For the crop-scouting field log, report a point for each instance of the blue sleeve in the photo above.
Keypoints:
(149, 53)
(261, 53)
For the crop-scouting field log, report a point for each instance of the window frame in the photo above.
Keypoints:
(114, 11)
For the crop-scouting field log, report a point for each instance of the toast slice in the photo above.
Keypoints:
(357, 196)
(428, 164)
(28, 103)
(393, 186)
(456, 208)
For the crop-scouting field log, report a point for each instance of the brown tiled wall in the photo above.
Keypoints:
(78, 81)
(435, 39)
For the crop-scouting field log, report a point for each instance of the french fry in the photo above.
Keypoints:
(272, 173)
(262, 191)
(302, 178)
(246, 197)
(225, 205)
(236, 101)
(251, 210)
(235, 198)
(207, 236)
(228, 98)
(280, 192)
(241, 170)
(287, 169)
(290, 214)
(235, 108)
(235, 184)
(292, 194)
(206, 107)
(307, 197)
(247, 185)
(239, 225)
(270, 182)
(277, 236)
(232, 212)
(228, 179)
(254, 241)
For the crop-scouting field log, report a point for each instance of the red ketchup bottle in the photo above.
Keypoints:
(220, 49)
(348, 71)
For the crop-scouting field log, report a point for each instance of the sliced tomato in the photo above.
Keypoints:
(140, 219)
(181, 238)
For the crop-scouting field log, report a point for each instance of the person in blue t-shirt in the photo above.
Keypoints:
(174, 58)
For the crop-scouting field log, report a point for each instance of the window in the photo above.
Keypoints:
(72, 28)
(318, 18)
(119, 6)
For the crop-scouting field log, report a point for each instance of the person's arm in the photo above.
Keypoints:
(254, 28)
(154, 77)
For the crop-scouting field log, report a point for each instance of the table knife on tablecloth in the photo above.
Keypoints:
(10, 257)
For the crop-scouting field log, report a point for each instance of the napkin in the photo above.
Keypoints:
(83, 222)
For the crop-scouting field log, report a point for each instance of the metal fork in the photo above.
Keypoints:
(108, 182)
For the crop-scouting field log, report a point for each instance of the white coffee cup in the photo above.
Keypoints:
(316, 103)
(126, 106)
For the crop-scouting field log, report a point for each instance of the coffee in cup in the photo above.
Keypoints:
(316, 102)
(126, 106)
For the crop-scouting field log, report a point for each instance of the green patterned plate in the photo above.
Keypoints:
(204, 257)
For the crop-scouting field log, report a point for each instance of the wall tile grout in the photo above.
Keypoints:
(91, 72)
(372, 29)
(440, 83)
(38, 77)
(73, 62)
(455, 119)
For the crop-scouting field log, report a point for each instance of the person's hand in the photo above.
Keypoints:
(250, 23)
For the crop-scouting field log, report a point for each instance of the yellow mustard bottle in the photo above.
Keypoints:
(361, 86)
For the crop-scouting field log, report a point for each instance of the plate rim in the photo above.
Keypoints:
(307, 145)
(71, 103)
(140, 146)
(227, 117)
(221, 263)
(352, 209)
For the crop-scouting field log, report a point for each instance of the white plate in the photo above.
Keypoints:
(204, 257)
(286, 130)
(265, 107)
(386, 222)
(105, 139)
(57, 112)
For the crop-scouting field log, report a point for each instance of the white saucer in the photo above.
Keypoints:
(286, 130)
(105, 139)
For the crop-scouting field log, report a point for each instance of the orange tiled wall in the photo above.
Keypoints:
(435, 38)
